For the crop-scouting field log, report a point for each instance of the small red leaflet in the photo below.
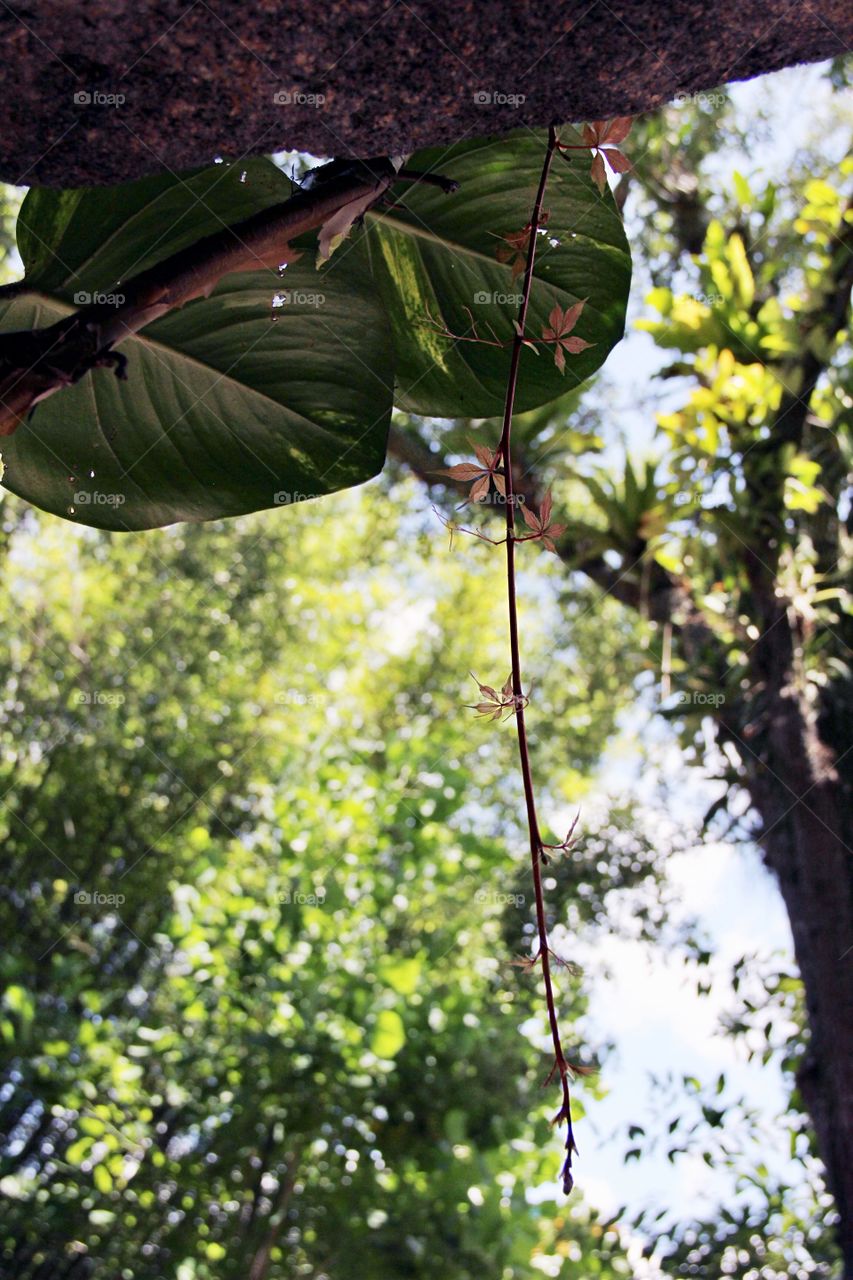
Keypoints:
(543, 529)
(515, 244)
(483, 475)
(560, 325)
(496, 703)
(603, 137)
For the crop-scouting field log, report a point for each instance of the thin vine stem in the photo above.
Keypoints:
(536, 847)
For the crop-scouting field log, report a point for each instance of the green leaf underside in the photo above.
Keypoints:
(231, 405)
(437, 252)
(92, 237)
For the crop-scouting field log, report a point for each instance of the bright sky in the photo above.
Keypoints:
(645, 999)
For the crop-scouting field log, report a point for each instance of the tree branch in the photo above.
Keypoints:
(665, 599)
(36, 363)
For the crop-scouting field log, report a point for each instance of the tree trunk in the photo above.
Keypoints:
(801, 797)
(262, 1258)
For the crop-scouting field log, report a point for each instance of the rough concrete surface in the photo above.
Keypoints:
(106, 90)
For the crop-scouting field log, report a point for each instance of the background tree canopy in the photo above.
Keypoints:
(265, 878)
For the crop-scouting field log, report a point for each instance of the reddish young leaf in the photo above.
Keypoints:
(497, 703)
(485, 455)
(618, 163)
(516, 244)
(483, 473)
(598, 172)
(530, 518)
(571, 831)
(618, 129)
(557, 331)
(562, 322)
(514, 250)
(540, 524)
(602, 137)
(479, 489)
(556, 530)
(484, 688)
(575, 345)
(462, 471)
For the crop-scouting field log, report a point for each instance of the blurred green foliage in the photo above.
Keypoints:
(266, 885)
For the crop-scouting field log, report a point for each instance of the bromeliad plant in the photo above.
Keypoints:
(198, 346)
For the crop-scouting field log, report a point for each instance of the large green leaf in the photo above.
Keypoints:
(231, 404)
(435, 259)
(234, 403)
(90, 238)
